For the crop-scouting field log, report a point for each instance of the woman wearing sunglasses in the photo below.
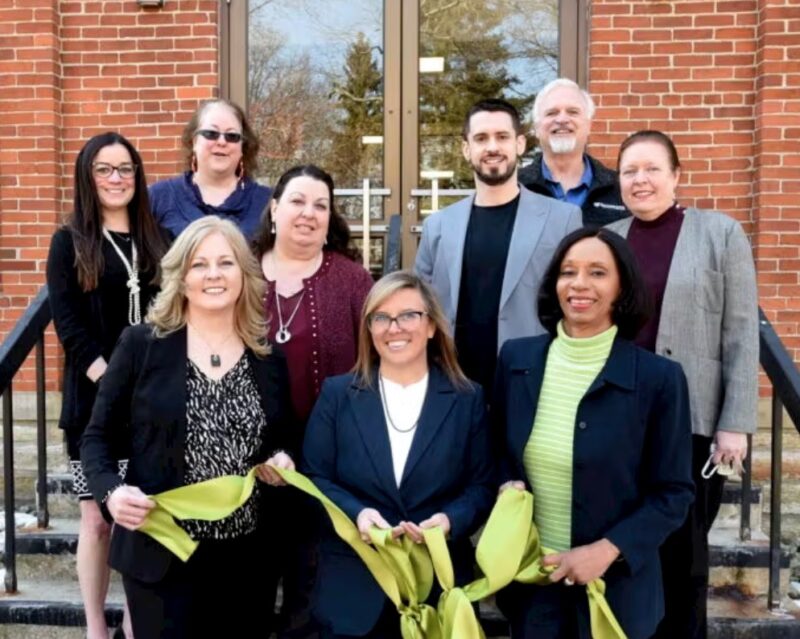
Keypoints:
(401, 443)
(101, 276)
(221, 151)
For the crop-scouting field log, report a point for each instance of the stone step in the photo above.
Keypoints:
(58, 615)
(744, 566)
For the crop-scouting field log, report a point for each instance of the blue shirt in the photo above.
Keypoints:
(576, 195)
(177, 202)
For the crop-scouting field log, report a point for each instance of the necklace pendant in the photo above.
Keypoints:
(283, 335)
(216, 360)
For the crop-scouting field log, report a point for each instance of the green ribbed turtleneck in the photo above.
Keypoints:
(572, 366)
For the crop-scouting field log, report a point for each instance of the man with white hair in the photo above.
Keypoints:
(562, 119)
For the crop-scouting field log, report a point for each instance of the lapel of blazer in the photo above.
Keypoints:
(681, 269)
(166, 366)
(438, 402)
(264, 381)
(529, 366)
(371, 424)
(619, 369)
(166, 362)
(454, 233)
(528, 227)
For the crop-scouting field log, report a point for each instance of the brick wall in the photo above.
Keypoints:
(723, 79)
(69, 70)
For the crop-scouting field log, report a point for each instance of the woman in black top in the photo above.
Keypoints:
(101, 275)
(205, 397)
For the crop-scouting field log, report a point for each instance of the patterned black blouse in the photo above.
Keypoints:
(225, 423)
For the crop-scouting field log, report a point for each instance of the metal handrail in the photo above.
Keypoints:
(785, 378)
(27, 334)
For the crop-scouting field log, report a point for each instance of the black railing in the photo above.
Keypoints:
(785, 379)
(27, 334)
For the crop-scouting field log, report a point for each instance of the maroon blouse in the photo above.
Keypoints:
(324, 331)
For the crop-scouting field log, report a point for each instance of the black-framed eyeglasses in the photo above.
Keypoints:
(104, 170)
(230, 136)
(406, 321)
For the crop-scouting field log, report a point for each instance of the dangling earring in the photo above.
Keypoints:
(240, 171)
(272, 228)
(194, 162)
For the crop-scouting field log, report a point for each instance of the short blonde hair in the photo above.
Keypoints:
(167, 313)
(441, 348)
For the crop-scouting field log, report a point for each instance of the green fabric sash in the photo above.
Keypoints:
(508, 550)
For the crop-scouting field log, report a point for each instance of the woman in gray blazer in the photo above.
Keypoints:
(699, 268)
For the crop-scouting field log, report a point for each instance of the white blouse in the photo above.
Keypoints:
(402, 406)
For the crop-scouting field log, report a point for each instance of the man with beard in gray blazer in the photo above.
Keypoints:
(485, 255)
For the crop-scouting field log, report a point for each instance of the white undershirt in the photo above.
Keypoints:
(404, 405)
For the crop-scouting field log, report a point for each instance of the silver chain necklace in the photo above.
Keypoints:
(132, 268)
(388, 414)
(283, 335)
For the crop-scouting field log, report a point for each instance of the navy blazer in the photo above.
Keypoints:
(631, 478)
(145, 385)
(348, 456)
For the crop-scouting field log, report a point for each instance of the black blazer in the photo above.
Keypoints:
(145, 385)
(348, 456)
(631, 476)
(82, 321)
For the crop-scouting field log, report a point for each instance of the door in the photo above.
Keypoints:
(375, 92)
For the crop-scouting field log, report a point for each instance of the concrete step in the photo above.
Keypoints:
(744, 566)
(52, 618)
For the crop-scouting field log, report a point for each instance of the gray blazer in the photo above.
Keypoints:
(540, 225)
(709, 320)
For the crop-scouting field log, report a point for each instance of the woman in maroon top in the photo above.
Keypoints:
(316, 289)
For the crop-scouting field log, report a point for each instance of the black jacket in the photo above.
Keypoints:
(83, 324)
(603, 204)
(145, 385)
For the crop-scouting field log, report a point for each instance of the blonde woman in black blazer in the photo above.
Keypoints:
(204, 397)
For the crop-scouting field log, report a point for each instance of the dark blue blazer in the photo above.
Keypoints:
(348, 456)
(631, 478)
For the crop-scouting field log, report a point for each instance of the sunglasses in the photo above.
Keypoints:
(230, 136)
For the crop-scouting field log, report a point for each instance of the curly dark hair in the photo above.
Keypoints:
(632, 308)
(338, 238)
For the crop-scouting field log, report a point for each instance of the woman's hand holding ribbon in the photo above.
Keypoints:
(582, 564)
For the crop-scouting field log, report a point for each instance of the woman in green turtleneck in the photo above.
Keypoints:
(598, 429)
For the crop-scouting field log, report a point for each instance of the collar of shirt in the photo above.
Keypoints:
(576, 195)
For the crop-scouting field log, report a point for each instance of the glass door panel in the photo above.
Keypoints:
(316, 95)
(375, 91)
(470, 50)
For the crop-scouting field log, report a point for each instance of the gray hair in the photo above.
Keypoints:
(555, 84)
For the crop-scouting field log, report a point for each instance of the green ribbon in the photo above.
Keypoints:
(509, 550)
(208, 500)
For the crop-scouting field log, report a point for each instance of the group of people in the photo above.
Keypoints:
(217, 325)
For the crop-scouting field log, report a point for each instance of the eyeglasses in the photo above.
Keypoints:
(230, 136)
(104, 170)
(406, 321)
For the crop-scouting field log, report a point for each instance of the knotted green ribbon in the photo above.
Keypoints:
(508, 550)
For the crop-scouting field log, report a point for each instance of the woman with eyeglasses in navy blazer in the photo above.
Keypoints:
(221, 153)
(598, 429)
(401, 443)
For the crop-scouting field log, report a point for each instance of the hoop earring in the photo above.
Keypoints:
(194, 162)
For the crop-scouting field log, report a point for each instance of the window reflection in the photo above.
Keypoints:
(316, 87)
(489, 48)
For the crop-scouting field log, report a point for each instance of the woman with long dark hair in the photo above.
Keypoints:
(101, 275)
